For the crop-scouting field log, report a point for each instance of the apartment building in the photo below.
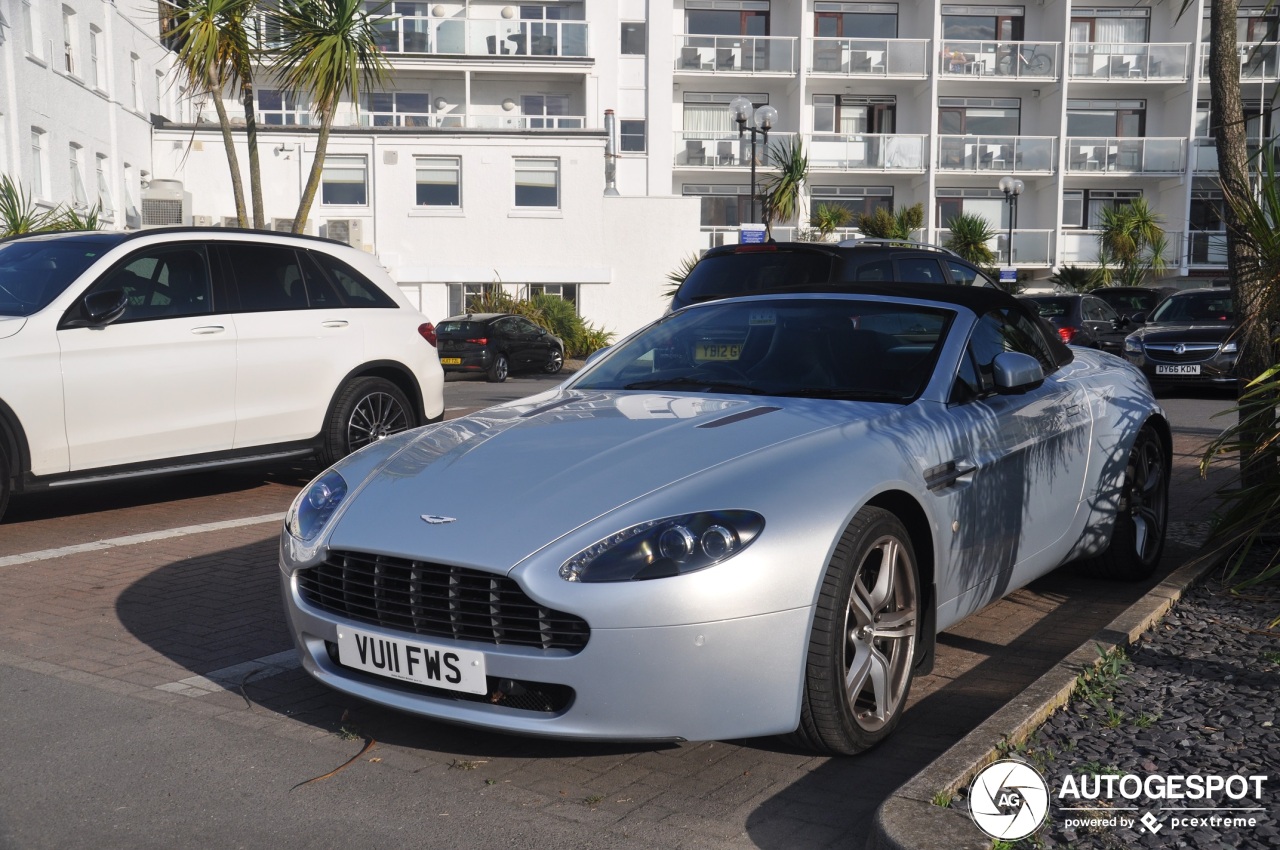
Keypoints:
(486, 161)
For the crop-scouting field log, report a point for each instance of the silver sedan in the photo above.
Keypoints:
(751, 517)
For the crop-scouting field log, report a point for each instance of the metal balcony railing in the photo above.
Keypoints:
(1132, 61)
(1259, 61)
(712, 149)
(1020, 154)
(867, 151)
(1126, 156)
(876, 57)
(736, 54)
(1006, 60)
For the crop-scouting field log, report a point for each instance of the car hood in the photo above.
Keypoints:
(1185, 332)
(490, 489)
(10, 325)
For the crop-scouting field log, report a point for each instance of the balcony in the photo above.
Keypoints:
(1259, 62)
(1080, 247)
(440, 120)
(881, 57)
(867, 152)
(1003, 60)
(1130, 62)
(1207, 249)
(736, 54)
(408, 35)
(711, 149)
(1204, 155)
(1126, 156)
(1012, 154)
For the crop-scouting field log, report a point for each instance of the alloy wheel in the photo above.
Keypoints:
(880, 633)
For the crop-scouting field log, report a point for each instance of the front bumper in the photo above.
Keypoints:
(1217, 371)
(702, 681)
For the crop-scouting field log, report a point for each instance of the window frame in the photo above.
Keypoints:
(437, 164)
(529, 165)
(344, 161)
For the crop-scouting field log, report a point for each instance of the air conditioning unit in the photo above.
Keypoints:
(165, 204)
(348, 230)
(202, 221)
(285, 225)
(230, 221)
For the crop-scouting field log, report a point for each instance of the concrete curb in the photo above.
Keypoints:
(909, 820)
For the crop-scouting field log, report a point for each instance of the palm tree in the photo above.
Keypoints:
(215, 53)
(970, 234)
(883, 224)
(780, 194)
(1075, 278)
(1132, 244)
(18, 213)
(330, 51)
(828, 218)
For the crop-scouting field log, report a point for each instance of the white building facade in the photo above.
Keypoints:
(484, 162)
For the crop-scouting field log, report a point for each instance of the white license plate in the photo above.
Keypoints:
(410, 661)
(1190, 369)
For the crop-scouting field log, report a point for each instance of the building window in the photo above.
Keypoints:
(548, 112)
(979, 116)
(722, 205)
(135, 81)
(464, 297)
(344, 181)
(95, 52)
(78, 195)
(706, 112)
(538, 183)
(104, 183)
(280, 108)
(397, 109)
(858, 200)
(40, 167)
(634, 35)
(439, 181)
(847, 114)
(982, 23)
(735, 17)
(31, 26)
(1082, 208)
(859, 20)
(987, 203)
(132, 217)
(1124, 119)
(564, 291)
(1109, 26)
(631, 135)
(69, 38)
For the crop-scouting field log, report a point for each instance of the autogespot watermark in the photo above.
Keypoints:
(1009, 800)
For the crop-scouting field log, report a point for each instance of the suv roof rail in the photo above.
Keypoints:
(896, 243)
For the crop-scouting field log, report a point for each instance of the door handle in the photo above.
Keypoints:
(334, 323)
(945, 474)
(205, 330)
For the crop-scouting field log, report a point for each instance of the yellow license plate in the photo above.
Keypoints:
(718, 351)
(450, 361)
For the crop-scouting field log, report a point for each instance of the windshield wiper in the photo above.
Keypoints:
(836, 392)
(709, 385)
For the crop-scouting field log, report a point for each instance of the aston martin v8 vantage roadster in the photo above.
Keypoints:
(751, 517)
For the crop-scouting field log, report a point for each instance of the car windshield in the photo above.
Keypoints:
(818, 348)
(1052, 308)
(34, 272)
(1129, 303)
(460, 328)
(1195, 307)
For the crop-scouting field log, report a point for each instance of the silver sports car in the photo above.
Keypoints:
(751, 517)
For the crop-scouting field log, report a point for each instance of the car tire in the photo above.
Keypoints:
(365, 411)
(499, 370)
(862, 644)
(5, 472)
(1142, 513)
(555, 360)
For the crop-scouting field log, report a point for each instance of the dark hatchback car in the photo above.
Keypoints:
(1188, 340)
(732, 270)
(1083, 320)
(1133, 302)
(497, 344)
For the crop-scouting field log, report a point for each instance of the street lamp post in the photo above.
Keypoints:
(1012, 189)
(762, 122)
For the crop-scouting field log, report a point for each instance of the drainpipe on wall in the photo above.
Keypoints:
(610, 154)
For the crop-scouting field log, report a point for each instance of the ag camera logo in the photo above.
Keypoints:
(1008, 800)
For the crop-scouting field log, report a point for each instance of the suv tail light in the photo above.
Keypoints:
(482, 340)
(1067, 334)
(428, 332)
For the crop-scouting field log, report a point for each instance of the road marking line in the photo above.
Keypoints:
(231, 678)
(134, 539)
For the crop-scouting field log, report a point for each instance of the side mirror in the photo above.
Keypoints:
(1138, 318)
(1015, 372)
(103, 308)
(1121, 322)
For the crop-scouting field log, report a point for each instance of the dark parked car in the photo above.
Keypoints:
(1083, 320)
(497, 344)
(732, 270)
(1134, 302)
(1188, 340)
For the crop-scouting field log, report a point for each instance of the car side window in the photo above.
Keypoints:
(506, 327)
(268, 277)
(878, 270)
(1106, 312)
(920, 270)
(162, 283)
(962, 274)
(527, 327)
(355, 289)
(996, 332)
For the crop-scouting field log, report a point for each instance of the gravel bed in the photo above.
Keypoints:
(1197, 695)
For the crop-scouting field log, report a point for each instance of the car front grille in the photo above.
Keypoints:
(437, 600)
(1190, 353)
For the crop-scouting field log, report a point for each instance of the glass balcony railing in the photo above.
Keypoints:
(1207, 249)
(877, 57)
(410, 35)
(1033, 154)
(1259, 61)
(1126, 156)
(1080, 247)
(736, 54)
(1035, 60)
(1204, 155)
(477, 122)
(867, 152)
(1136, 61)
(712, 149)
(1030, 247)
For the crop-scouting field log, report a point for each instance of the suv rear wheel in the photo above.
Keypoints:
(367, 410)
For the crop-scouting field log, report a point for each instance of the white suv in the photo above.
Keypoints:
(127, 354)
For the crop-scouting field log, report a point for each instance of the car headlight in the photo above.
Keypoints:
(1231, 347)
(1132, 345)
(665, 547)
(315, 506)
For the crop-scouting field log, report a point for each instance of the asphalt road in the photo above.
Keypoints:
(148, 699)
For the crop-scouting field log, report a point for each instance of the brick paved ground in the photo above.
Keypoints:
(136, 620)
